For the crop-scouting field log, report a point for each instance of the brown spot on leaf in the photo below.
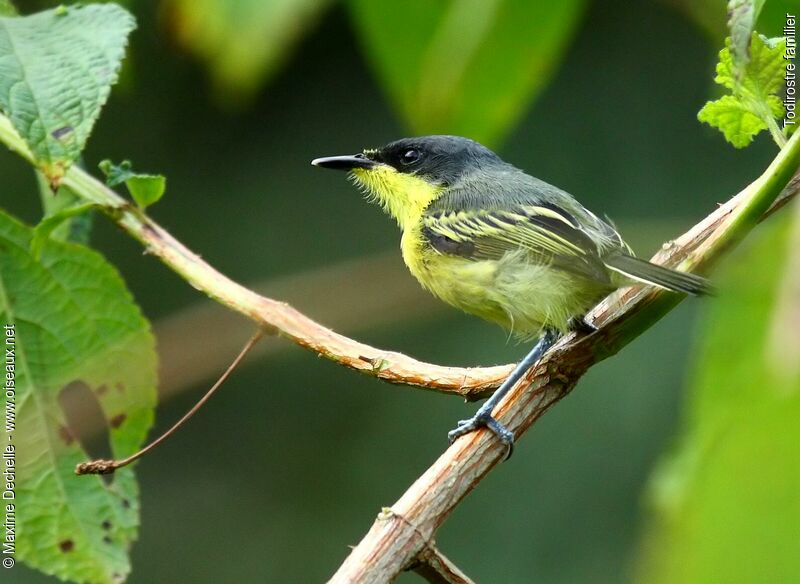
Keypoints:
(126, 503)
(102, 390)
(65, 435)
(106, 525)
(120, 387)
(106, 539)
(117, 420)
(66, 546)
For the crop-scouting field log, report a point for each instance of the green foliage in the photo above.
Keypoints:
(145, 189)
(754, 104)
(742, 17)
(75, 323)
(57, 70)
(7, 8)
(76, 227)
(726, 502)
(45, 229)
(467, 68)
(242, 42)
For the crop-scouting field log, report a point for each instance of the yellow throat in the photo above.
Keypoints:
(403, 196)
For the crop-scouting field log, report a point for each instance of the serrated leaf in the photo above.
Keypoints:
(733, 119)
(466, 67)
(145, 189)
(753, 105)
(56, 72)
(725, 505)
(74, 321)
(765, 72)
(243, 42)
(742, 17)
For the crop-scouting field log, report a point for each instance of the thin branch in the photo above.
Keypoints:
(103, 466)
(389, 545)
(352, 296)
(436, 568)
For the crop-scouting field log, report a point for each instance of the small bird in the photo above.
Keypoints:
(495, 242)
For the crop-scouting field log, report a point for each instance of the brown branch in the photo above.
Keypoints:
(436, 568)
(105, 466)
(352, 296)
(390, 545)
(279, 317)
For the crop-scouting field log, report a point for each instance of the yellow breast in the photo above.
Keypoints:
(460, 282)
(511, 291)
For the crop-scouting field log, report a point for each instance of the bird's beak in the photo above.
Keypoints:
(345, 162)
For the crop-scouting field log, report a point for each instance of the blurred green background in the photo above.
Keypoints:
(289, 465)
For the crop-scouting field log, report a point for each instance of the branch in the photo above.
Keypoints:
(271, 315)
(352, 296)
(438, 569)
(391, 544)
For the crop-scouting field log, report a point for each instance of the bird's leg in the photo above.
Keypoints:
(483, 417)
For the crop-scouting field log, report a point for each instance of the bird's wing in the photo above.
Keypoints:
(546, 233)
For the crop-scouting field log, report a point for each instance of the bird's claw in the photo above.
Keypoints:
(476, 422)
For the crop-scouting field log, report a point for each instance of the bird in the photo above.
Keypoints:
(489, 239)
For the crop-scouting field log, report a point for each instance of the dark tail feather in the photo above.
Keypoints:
(644, 271)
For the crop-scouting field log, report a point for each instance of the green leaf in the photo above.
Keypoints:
(7, 8)
(725, 504)
(742, 17)
(765, 73)
(145, 189)
(733, 119)
(469, 67)
(43, 231)
(243, 42)
(76, 228)
(754, 103)
(56, 72)
(74, 322)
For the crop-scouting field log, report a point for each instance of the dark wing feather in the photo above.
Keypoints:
(473, 220)
(549, 235)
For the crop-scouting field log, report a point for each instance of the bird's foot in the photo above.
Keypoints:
(481, 420)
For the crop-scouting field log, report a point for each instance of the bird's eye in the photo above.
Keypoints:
(410, 156)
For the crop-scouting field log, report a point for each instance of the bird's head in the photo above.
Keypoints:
(406, 175)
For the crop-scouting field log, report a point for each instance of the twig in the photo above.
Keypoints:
(352, 296)
(109, 466)
(389, 545)
(436, 568)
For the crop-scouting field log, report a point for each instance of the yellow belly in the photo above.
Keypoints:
(511, 291)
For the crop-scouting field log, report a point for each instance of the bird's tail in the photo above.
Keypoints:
(644, 271)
